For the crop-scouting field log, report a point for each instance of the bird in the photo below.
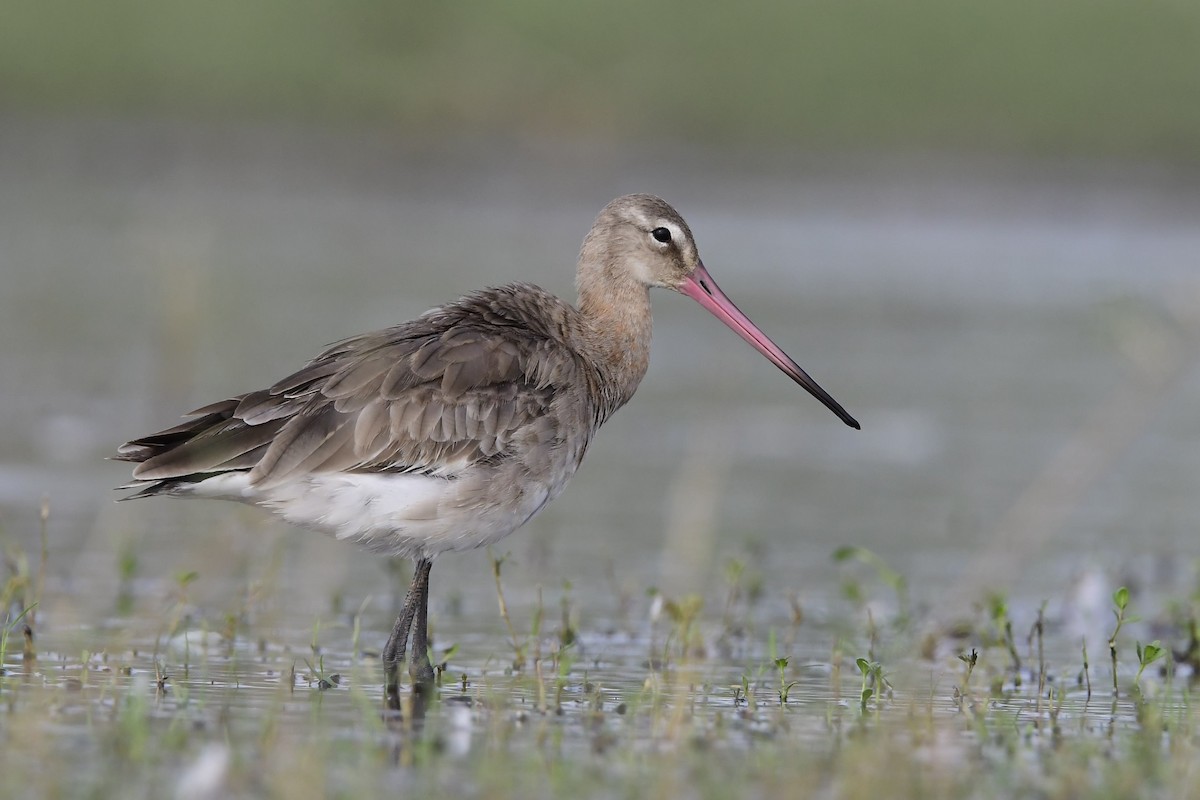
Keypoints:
(452, 430)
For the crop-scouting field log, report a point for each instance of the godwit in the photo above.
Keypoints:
(452, 430)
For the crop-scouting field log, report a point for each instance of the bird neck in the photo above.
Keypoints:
(617, 334)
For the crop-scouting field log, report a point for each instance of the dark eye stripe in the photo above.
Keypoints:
(661, 235)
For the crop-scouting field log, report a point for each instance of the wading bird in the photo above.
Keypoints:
(452, 430)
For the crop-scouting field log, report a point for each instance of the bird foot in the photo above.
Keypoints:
(391, 685)
(421, 672)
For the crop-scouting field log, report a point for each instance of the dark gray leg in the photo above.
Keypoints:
(397, 643)
(419, 668)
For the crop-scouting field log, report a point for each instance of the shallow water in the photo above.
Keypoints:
(1018, 341)
(250, 714)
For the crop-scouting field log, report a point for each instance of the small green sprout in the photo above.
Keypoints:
(874, 684)
(970, 661)
(1084, 677)
(1002, 623)
(8, 628)
(1147, 655)
(785, 686)
(318, 675)
(1120, 605)
(741, 694)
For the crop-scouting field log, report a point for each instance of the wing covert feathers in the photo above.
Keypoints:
(456, 387)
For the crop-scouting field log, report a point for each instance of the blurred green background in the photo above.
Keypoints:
(1099, 78)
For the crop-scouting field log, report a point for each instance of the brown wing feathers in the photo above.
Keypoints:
(436, 394)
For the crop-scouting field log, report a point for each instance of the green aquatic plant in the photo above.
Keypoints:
(317, 675)
(1003, 630)
(323, 680)
(567, 631)
(1037, 633)
(6, 631)
(785, 685)
(1147, 655)
(1120, 607)
(874, 684)
(565, 660)
(19, 583)
(1085, 676)
(684, 614)
(518, 662)
(970, 660)
(741, 692)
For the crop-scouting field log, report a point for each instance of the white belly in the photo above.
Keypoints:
(397, 514)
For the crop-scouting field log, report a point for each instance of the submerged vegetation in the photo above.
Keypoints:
(687, 702)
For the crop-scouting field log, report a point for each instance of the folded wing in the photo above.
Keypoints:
(437, 395)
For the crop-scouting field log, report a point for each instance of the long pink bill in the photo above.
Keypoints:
(703, 289)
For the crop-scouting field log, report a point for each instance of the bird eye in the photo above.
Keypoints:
(661, 235)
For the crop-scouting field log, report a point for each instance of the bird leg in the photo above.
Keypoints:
(397, 643)
(419, 668)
